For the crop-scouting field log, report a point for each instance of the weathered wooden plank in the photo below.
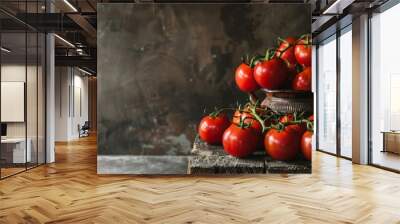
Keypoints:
(211, 159)
(296, 166)
(226, 164)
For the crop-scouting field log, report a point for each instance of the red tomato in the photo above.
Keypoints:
(240, 141)
(302, 51)
(282, 145)
(212, 128)
(299, 128)
(288, 55)
(286, 118)
(244, 78)
(306, 144)
(302, 81)
(311, 117)
(255, 124)
(248, 118)
(271, 74)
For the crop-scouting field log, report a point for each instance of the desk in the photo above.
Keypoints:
(13, 150)
(391, 141)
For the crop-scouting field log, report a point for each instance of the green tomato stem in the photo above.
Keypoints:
(258, 118)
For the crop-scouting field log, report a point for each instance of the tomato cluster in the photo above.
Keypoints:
(287, 66)
(294, 134)
(282, 136)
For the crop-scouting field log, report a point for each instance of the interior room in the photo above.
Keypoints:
(203, 111)
(22, 104)
(384, 89)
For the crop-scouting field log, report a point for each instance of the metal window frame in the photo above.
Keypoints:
(44, 74)
(338, 33)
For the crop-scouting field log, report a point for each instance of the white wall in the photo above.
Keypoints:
(71, 102)
(33, 127)
(16, 73)
(81, 104)
(12, 73)
(62, 81)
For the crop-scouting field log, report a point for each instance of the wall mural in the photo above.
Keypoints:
(162, 68)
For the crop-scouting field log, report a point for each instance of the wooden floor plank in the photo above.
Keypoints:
(70, 191)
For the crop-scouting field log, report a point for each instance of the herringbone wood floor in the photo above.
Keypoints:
(69, 191)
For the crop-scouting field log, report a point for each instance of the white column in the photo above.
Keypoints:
(50, 93)
(360, 90)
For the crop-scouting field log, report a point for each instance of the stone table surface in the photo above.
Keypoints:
(210, 159)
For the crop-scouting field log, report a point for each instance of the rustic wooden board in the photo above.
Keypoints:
(225, 164)
(297, 166)
(209, 159)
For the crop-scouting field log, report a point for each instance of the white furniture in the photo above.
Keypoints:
(18, 149)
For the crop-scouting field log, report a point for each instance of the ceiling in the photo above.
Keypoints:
(76, 22)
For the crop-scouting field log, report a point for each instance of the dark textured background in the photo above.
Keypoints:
(161, 65)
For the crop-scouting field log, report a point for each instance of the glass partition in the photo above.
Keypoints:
(31, 100)
(345, 43)
(41, 96)
(15, 152)
(327, 95)
(385, 89)
(22, 88)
